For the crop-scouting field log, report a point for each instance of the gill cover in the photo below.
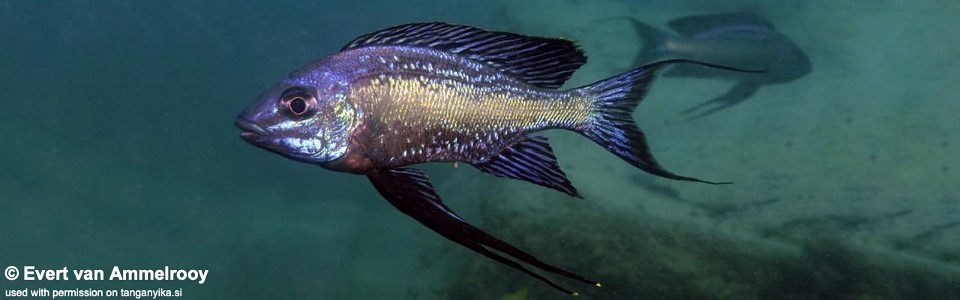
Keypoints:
(301, 122)
(333, 124)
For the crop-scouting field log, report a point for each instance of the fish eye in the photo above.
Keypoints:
(298, 102)
(298, 106)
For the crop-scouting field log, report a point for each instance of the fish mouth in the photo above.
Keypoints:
(251, 131)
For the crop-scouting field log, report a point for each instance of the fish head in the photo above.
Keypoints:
(304, 119)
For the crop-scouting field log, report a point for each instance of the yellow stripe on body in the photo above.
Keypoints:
(420, 101)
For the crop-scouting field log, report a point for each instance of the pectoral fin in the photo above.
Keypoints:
(530, 160)
(410, 191)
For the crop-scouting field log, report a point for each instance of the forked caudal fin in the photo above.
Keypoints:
(612, 126)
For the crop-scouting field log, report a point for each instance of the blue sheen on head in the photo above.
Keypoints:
(304, 117)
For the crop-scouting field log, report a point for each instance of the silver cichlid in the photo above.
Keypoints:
(432, 92)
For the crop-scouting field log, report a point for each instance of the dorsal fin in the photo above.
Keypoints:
(543, 62)
(699, 24)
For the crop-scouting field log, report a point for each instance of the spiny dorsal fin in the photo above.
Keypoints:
(531, 160)
(543, 62)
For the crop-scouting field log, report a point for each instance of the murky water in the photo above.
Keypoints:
(118, 149)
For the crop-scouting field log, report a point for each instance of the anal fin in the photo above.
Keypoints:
(530, 160)
(410, 191)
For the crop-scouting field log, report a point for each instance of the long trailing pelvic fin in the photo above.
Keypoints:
(410, 191)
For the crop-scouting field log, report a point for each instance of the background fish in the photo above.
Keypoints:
(437, 92)
(741, 39)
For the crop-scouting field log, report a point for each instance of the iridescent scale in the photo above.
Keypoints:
(421, 105)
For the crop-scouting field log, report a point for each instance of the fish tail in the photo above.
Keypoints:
(611, 125)
(653, 42)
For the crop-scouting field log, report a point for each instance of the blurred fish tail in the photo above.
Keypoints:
(654, 42)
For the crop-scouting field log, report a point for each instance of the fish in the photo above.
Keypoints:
(438, 92)
(744, 40)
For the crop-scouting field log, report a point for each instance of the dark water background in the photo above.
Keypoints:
(118, 148)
